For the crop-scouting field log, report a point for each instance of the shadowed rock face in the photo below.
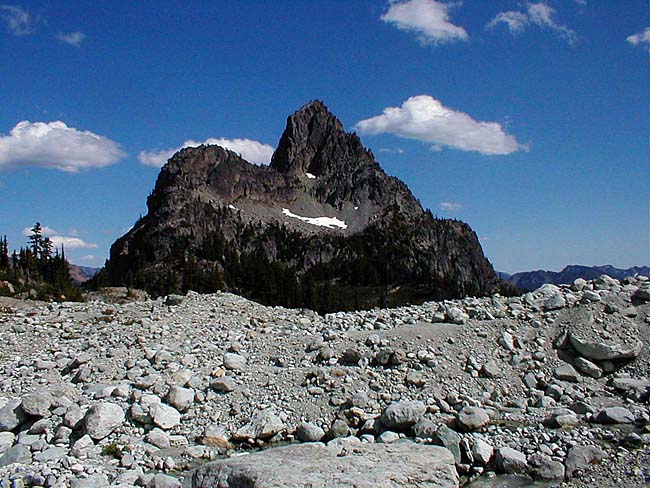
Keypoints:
(216, 221)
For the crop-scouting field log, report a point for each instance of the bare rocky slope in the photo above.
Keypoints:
(323, 226)
(128, 391)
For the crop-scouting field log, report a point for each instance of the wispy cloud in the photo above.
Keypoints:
(54, 145)
(18, 20)
(429, 20)
(250, 150)
(538, 14)
(642, 37)
(73, 38)
(392, 150)
(450, 206)
(426, 119)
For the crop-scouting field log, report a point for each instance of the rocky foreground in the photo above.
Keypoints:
(122, 392)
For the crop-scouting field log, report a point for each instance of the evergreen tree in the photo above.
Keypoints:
(36, 239)
(4, 254)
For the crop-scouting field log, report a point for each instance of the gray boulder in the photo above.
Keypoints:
(510, 461)
(308, 432)
(102, 419)
(542, 467)
(472, 418)
(19, 453)
(361, 466)
(614, 415)
(37, 404)
(580, 457)
(263, 425)
(402, 415)
(11, 416)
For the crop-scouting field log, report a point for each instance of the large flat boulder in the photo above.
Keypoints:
(401, 464)
(616, 339)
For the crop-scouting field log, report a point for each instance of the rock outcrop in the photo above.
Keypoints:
(323, 226)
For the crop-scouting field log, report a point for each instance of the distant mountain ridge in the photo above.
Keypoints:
(531, 280)
(81, 274)
(322, 227)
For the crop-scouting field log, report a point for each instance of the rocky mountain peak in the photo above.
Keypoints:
(314, 141)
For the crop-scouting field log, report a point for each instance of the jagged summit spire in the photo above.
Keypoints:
(312, 140)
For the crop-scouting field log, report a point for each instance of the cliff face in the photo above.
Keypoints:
(322, 227)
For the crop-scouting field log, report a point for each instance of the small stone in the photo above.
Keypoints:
(587, 367)
(388, 437)
(164, 481)
(566, 372)
(450, 439)
(234, 361)
(225, 384)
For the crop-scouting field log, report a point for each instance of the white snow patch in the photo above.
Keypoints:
(231, 206)
(329, 222)
(310, 176)
(356, 208)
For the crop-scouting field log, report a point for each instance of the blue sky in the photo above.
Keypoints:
(528, 120)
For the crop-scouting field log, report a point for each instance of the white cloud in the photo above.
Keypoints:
(71, 242)
(539, 14)
(45, 230)
(250, 150)
(18, 20)
(642, 37)
(428, 19)
(87, 257)
(54, 145)
(73, 38)
(450, 206)
(425, 119)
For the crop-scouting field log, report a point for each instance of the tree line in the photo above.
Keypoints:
(39, 269)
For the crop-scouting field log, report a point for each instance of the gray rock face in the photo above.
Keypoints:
(317, 170)
(402, 415)
(361, 466)
(102, 419)
(472, 418)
